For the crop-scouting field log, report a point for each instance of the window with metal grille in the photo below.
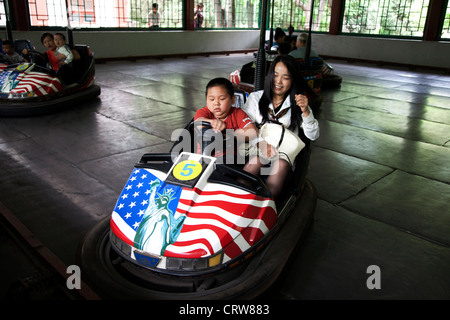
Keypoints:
(226, 14)
(405, 18)
(2, 14)
(107, 13)
(445, 35)
(298, 14)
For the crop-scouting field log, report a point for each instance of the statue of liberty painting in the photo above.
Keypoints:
(158, 228)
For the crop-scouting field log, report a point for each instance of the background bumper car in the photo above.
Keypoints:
(31, 88)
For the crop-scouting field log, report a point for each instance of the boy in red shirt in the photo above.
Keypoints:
(221, 114)
(219, 110)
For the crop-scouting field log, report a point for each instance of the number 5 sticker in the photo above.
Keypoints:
(187, 170)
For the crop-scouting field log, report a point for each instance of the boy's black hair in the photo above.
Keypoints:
(221, 82)
(155, 5)
(45, 35)
(62, 36)
(279, 33)
(7, 42)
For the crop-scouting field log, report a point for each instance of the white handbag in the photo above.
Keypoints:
(288, 143)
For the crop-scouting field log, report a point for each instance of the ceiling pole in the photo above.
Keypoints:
(308, 43)
(69, 28)
(260, 72)
(8, 22)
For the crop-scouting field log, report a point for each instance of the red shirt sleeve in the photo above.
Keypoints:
(203, 113)
(241, 118)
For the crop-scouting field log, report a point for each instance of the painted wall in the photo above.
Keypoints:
(411, 52)
(115, 44)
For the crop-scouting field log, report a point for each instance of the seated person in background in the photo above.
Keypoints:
(48, 41)
(10, 56)
(278, 38)
(284, 48)
(63, 52)
(221, 114)
(292, 41)
(300, 52)
(64, 71)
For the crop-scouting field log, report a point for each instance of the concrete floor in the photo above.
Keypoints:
(381, 169)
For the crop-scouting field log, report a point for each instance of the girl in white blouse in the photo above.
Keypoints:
(282, 101)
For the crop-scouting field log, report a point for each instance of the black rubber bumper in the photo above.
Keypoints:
(24, 109)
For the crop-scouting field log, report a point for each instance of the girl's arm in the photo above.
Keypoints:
(310, 124)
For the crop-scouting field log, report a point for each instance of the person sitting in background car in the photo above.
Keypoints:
(300, 52)
(10, 56)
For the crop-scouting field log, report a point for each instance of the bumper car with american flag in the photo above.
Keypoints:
(190, 226)
(28, 89)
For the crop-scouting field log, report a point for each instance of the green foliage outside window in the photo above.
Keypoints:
(385, 17)
(445, 34)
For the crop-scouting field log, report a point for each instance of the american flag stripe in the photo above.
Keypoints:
(241, 243)
(220, 193)
(235, 248)
(122, 229)
(41, 84)
(43, 81)
(251, 208)
(218, 213)
(37, 81)
(197, 241)
(227, 221)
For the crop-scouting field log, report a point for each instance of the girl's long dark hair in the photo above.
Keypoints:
(299, 86)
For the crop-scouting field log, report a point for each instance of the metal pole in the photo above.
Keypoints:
(260, 72)
(308, 43)
(69, 28)
(271, 25)
(290, 15)
(8, 22)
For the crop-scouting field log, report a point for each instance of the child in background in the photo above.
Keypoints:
(64, 71)
(198, 16)
(63, 52)
(10, 55)
(154, 17)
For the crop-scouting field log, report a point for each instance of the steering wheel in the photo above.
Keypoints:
(37, 57)
(205, 140)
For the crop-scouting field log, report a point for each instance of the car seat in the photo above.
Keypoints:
(19, 45)
(84, 65)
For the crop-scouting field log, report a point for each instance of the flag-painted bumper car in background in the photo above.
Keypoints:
(191, 226)
(28, 89)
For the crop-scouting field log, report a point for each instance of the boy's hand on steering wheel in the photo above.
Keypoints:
(217, 125)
